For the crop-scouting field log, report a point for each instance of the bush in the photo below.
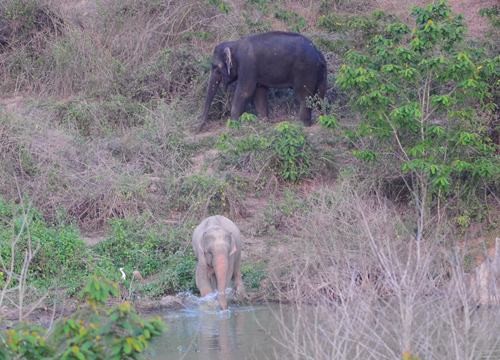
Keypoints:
(93, 332)
(59, 253)
(253, 274)
(425, 100)
(286, 151)
(136, 245)
(178, 275)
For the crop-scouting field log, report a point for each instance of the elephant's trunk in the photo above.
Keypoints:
(221, 265)
(213, 85)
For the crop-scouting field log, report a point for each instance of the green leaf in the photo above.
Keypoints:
(114, 317)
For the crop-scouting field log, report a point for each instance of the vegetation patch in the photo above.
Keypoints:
(51, 255)
(386, 207)
(134, 246)
(286, 152)
(92, 331)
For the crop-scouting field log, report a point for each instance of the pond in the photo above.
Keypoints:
(431, 326)
(242, 332)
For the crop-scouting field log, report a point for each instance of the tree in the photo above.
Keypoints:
(425, 98)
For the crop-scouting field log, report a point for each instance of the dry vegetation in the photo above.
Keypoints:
(97, 115)
(375, 292)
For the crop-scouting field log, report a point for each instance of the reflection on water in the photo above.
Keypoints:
(349, 330)
(205, 333)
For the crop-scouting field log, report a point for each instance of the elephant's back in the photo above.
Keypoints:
(282, 51)
(212, 222)
(288, 40)
(282, 36)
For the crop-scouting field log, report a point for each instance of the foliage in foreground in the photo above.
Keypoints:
(90, 333)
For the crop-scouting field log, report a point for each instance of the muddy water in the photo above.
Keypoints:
(200, 331)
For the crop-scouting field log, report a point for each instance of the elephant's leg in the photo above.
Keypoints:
(242, 96)
(305, 113)
(213, 283)
(203, 281)
(303, 91)
(237, 278)
(261, 102)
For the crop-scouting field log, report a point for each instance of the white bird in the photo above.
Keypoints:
(123, 274)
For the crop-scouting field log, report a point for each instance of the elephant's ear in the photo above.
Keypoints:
(201, 245)
(228, 59)
(232, 245)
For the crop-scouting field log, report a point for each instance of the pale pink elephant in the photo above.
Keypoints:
(217, 245)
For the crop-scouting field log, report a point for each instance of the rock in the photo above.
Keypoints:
(172, 302)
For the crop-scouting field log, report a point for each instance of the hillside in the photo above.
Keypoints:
(99, 155)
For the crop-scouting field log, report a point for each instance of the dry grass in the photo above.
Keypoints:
(91, 180)
(83, 46)
(377, 292)
(357, 244)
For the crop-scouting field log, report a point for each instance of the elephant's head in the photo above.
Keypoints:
(217, 246)
(222, 71)
(222, 66)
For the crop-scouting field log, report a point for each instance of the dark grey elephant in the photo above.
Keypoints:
(271, 60)
(217, 246)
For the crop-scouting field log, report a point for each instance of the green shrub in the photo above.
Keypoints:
(253, 274)
(492, 14)
(425, 100)
(93, 332)
(61, 258)
(178, 275)
(286, 151)
(136, 245)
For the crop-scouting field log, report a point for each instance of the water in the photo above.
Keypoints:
(352, 329)
(202, 332)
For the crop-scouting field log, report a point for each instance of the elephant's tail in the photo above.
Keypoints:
(322, 78)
